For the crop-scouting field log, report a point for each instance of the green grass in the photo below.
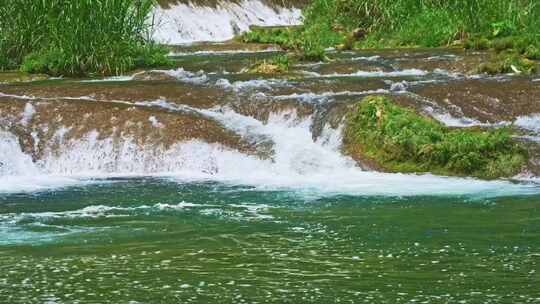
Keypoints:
(399, 140)
(275, 65)
(308, 42)
(428, 22)
(478, 24)
(508, 61)
(77, 37)
(287, 37)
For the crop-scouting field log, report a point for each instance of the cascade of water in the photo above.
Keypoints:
(189, 22)
(298, 162)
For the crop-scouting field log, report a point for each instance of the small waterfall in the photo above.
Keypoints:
(18, 172)
(13, 161)
(298, 162)
(187, 22)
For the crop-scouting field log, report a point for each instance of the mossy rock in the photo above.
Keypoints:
(12, 77)
(276, 65)
(266, 68)
(508, 62)
(477, 43)
(397, 139)
(532, 52)
(286, 37)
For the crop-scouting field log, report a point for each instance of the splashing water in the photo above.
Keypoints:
(187, 22)
(312, 167)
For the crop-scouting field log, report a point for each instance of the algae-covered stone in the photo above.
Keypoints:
(508, 62)
(397, 139)
(278, 64)
(12, 77)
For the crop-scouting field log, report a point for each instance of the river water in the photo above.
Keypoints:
(207, 184)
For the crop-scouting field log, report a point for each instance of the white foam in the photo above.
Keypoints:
(450, 120)
(12, 160)
(237, 86)
(32, 98)
(28, 113)
(19, 174)
(22, 97)
(186, 76)
(244, 211)
(445, 117)
(374, 74)
(111, 79)
(366, 58)
(309, 167)
(443, 57)
(529, 122)
(224, 52)
(311, 97)
(155, 122)
(529, 138)
(189, 22)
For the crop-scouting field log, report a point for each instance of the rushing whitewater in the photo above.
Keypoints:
(311, 167)
(179, 23)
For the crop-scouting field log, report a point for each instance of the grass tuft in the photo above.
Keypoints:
(276, 65)
(399, 140)
(77, 37)
(476, 24)
(508, 62)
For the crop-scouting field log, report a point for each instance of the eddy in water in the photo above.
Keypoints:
(229, 171)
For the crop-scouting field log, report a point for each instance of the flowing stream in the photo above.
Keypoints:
(208, 184)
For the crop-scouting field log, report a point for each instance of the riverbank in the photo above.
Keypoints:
(80, 38)
(509, 28)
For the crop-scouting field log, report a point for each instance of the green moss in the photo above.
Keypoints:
(286, 37)
(532, 52)
(276, 65)
(477, 43)
(502, 44)
(45, 62)
(399, 140)
(308, 42)
(508, 62)
(17, 76)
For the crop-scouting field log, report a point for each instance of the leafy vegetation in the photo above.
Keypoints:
(508, 62)
(478, 24)
(399, 140)
(287, 37)
(77, 37)
(307, 43)
(277, 64)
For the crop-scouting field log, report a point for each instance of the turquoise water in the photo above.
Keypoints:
(164, 241)
(305, 225)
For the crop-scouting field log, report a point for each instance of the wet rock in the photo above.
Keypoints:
(57, 123)
(347, 67)
(450, 60)
(153, 76)
(359, 33)
(14, 77)
(507, 63)
(485, 100)
(184, 93)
